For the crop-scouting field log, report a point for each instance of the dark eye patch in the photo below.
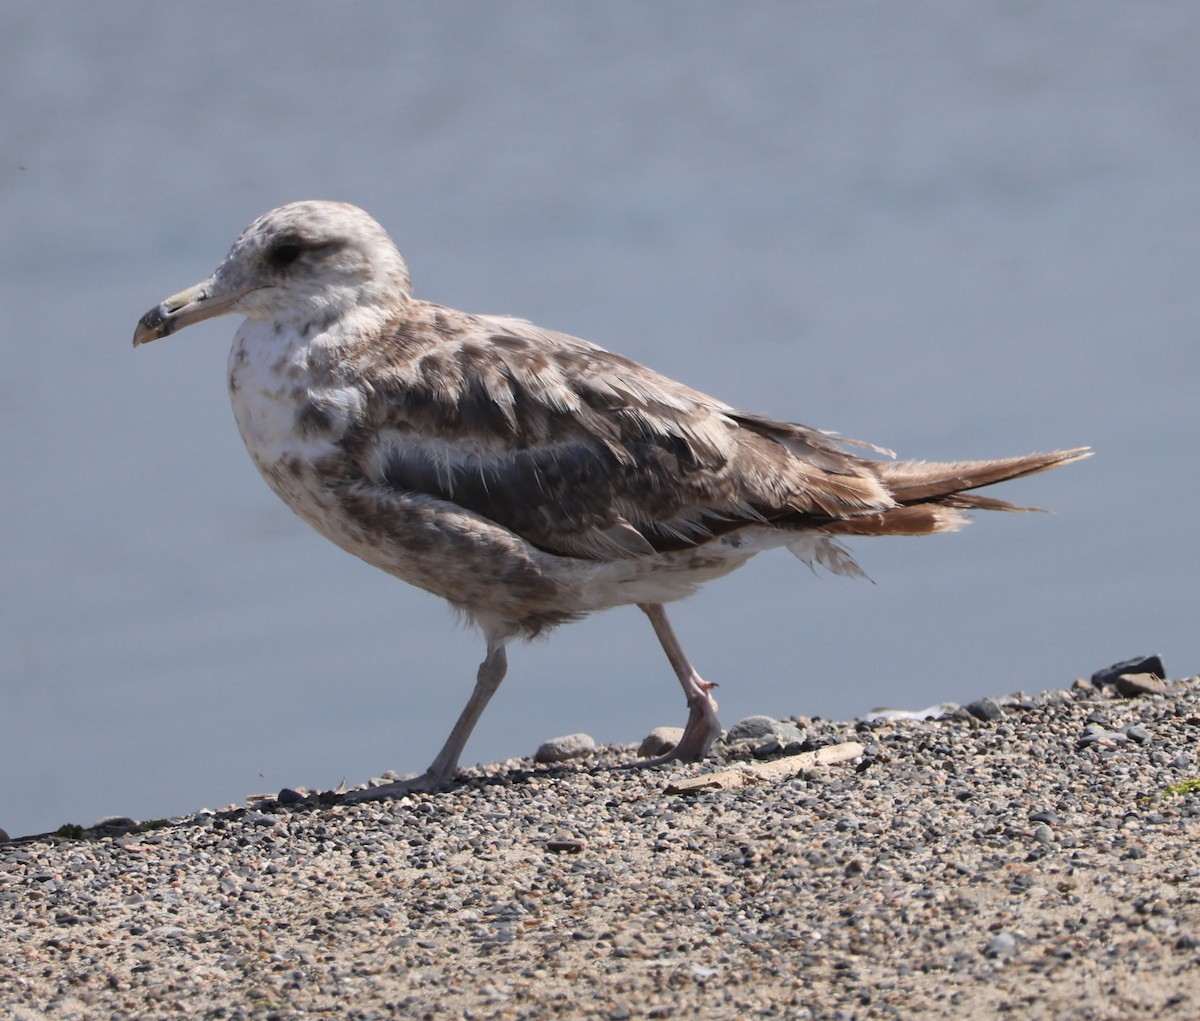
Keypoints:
(284, 252)
(290, 247)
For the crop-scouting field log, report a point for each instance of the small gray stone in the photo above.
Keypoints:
(569, 746)
(1047, 816)
(752, 728)
(1003, 944)
(985, 709)
(1133, 685)
(1139, 734)
(1043, 834)
(760, 729)
(660, 741)
(768, 749)
(788, 733)
(1094, 734)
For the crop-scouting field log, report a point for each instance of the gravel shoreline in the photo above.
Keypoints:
(1040, 863)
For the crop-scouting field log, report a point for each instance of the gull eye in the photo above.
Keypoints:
(284, 252)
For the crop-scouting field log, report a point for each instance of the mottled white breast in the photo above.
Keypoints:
(274, 378)
(273, 386)
(266, 388)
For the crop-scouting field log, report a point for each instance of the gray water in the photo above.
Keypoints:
(957, 230)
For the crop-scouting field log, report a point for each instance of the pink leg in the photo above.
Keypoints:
(703, 727)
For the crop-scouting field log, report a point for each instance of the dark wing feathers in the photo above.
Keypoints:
(580, 451)
(586, 453)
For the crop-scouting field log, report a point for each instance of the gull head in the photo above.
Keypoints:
(301, 263)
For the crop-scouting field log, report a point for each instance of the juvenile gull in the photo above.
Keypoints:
(527, 477)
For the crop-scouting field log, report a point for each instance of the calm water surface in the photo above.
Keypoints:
(956, 230)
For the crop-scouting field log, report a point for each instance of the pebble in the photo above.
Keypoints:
(1003, 944)
(971, 871)
(1132, 685)
(1094, 734)
(569, 746)
(758, 730)
(769, 749)
(1043, 834)
(985, 709)
(659, 741)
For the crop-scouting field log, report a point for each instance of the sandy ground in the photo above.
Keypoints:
(1038, 865)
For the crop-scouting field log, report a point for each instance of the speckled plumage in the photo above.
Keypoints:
(525, 476)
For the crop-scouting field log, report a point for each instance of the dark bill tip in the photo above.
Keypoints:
(154, 325)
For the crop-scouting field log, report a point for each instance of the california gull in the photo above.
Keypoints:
(527, 477)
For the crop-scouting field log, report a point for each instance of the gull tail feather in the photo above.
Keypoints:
(920, 481)
(933, 496)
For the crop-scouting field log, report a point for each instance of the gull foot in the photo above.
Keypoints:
(691, 748)
(396, 789)
(703, 728)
